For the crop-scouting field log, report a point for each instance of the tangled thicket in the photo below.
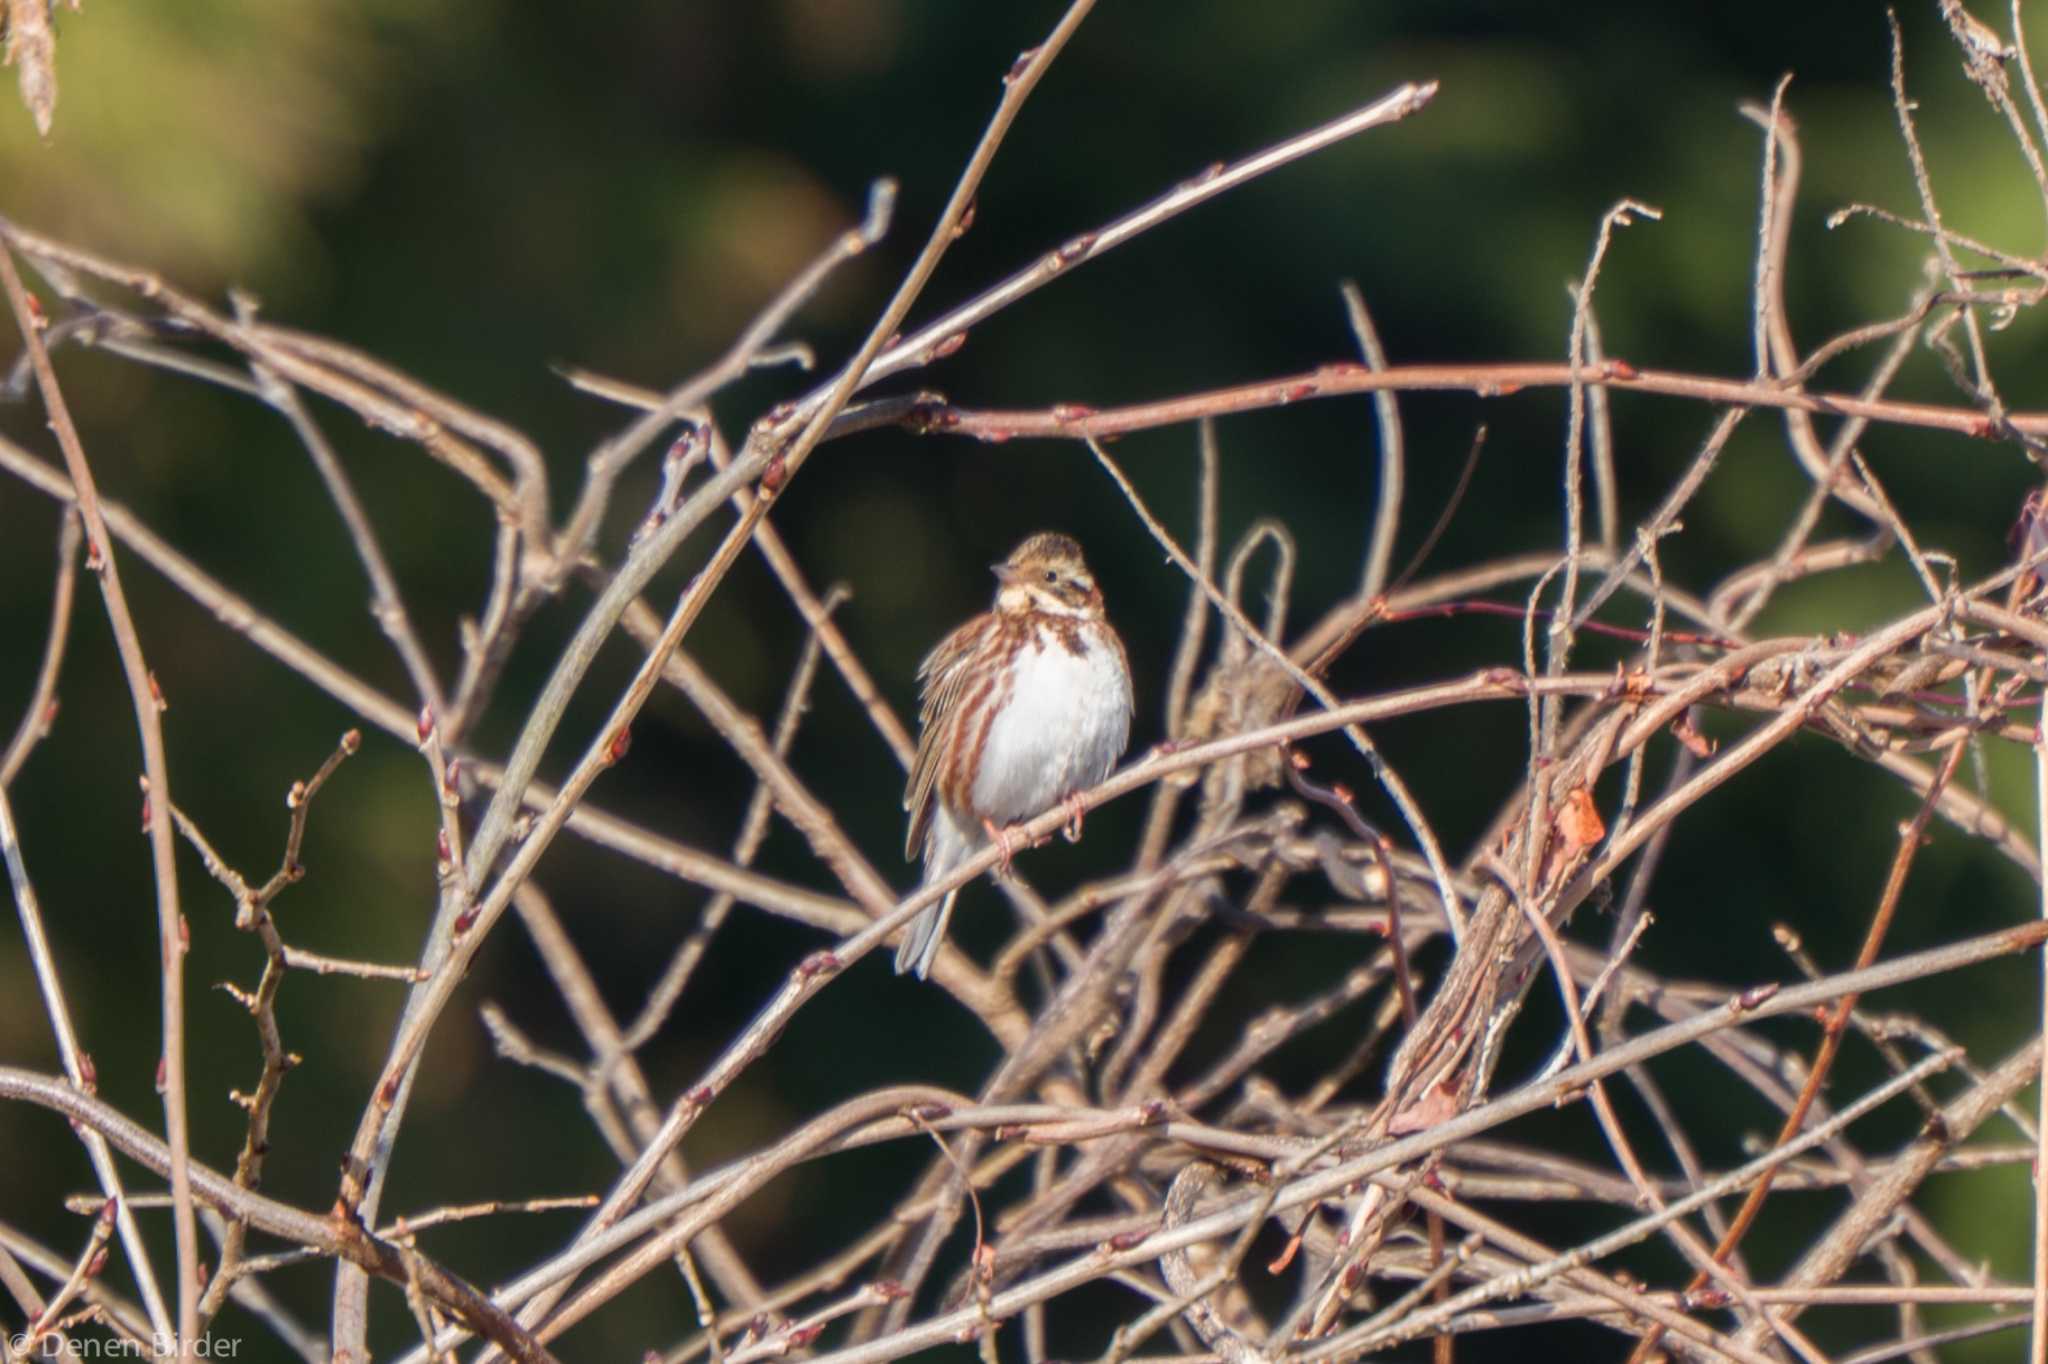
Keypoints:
(1332, 1217)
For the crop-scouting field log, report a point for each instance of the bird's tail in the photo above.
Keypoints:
(923, 938)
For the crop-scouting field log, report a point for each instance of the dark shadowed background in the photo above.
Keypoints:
(478, 192)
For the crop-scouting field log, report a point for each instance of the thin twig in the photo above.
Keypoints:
(41, 711)
(1386, 523)
(147, 702)
(1388, 779)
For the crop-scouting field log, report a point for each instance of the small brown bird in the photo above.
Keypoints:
(1023, 706)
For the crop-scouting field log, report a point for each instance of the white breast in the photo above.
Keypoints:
(1065, 723)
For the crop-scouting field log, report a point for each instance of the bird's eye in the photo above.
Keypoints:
(1052, 575)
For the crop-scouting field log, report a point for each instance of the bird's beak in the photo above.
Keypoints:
(1004, 573)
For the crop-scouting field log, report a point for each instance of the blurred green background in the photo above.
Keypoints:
(477, 192)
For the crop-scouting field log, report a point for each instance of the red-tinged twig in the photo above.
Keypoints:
(407, 1227)
(1487, 380)
(1852, 1231)
(811, 416)
(1526, 1257)
(1910, 838)
(1448, 511)
(1683, 1238)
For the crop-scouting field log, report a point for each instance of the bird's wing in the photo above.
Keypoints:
(944, 677)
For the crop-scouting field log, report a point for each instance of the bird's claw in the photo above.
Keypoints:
(1075, 810)
(1006, 844)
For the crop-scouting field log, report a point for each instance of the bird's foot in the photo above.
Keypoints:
(1006, 844)
(1075, 810)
